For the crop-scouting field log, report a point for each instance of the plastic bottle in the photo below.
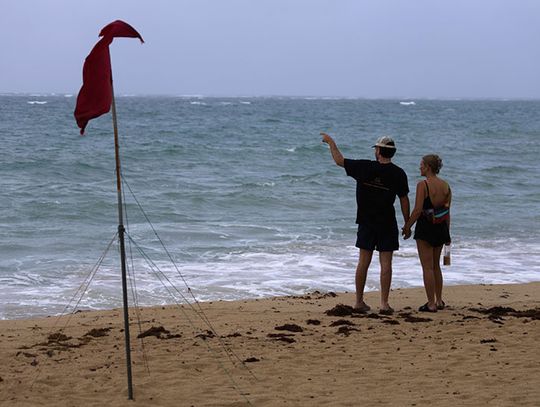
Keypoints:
(446, 255)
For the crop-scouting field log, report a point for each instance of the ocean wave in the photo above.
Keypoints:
(36, 102)
(507, 169)
(411, 103)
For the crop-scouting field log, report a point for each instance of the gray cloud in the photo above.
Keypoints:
(378, 48)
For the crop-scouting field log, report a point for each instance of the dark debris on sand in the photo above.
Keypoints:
(290, 328)
(496, 314)
(315, 295)
(342, 310)
(346, 330)
(233, 335)
(60, 342)
(283, 337)
(206, 335)
(374, 315)
(98, 332)
(341, 322)
(390, 322)
(58, 337)
(156, 331)
(159, 332)
(251, 360)
(408, 317)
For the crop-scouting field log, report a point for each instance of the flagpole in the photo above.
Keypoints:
(121, 231)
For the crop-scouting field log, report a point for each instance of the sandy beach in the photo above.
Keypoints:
(290, 351)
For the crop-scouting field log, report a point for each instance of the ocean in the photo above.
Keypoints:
(245, 197)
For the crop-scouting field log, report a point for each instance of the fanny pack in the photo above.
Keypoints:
(438, 215)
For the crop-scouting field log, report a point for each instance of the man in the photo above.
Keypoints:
(377, 185)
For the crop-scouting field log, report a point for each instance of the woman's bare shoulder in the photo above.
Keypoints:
(445, 184)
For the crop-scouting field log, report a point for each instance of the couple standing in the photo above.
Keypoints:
(377, 185)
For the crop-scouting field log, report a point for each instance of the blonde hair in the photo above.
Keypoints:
(433, 161)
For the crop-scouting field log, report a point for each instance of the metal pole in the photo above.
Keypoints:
(121, 231)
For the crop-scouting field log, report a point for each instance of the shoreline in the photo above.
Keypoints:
(285, 351)
(45, 315)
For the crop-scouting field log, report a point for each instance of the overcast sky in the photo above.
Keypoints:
(357, 48)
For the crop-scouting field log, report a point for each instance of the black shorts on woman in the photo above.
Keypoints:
(436, 233)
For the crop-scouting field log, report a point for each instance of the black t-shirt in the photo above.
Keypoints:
(376, 188)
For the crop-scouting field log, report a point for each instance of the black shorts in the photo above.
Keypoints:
(382, 239)
(435, 234)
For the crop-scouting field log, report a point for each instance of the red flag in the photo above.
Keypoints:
(95, 96)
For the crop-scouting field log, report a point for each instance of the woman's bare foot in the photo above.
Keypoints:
(388, 310)
(427, 308)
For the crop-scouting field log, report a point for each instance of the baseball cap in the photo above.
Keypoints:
(385, 142)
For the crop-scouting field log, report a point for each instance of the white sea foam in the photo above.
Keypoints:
(191, 96)
(36, 102)
(259, 273)
(411, 103)
(197, 103)
(245, 103)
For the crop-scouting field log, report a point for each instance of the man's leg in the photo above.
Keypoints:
(385, 259)
(364, 261)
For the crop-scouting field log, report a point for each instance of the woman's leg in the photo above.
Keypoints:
(437, 274)
(425, 253)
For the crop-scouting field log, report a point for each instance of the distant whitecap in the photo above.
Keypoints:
(411, 103)
(36, 102)
(245, 103)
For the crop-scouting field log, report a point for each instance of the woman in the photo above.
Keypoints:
(432, 214)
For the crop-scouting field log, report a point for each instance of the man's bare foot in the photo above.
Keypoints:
(362, 307)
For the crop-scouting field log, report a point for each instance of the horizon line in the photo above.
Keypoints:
(269, 96)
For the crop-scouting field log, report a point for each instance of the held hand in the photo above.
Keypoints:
(326, 138)
(406, 232)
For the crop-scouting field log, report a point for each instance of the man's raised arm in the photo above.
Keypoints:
(336, 154)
